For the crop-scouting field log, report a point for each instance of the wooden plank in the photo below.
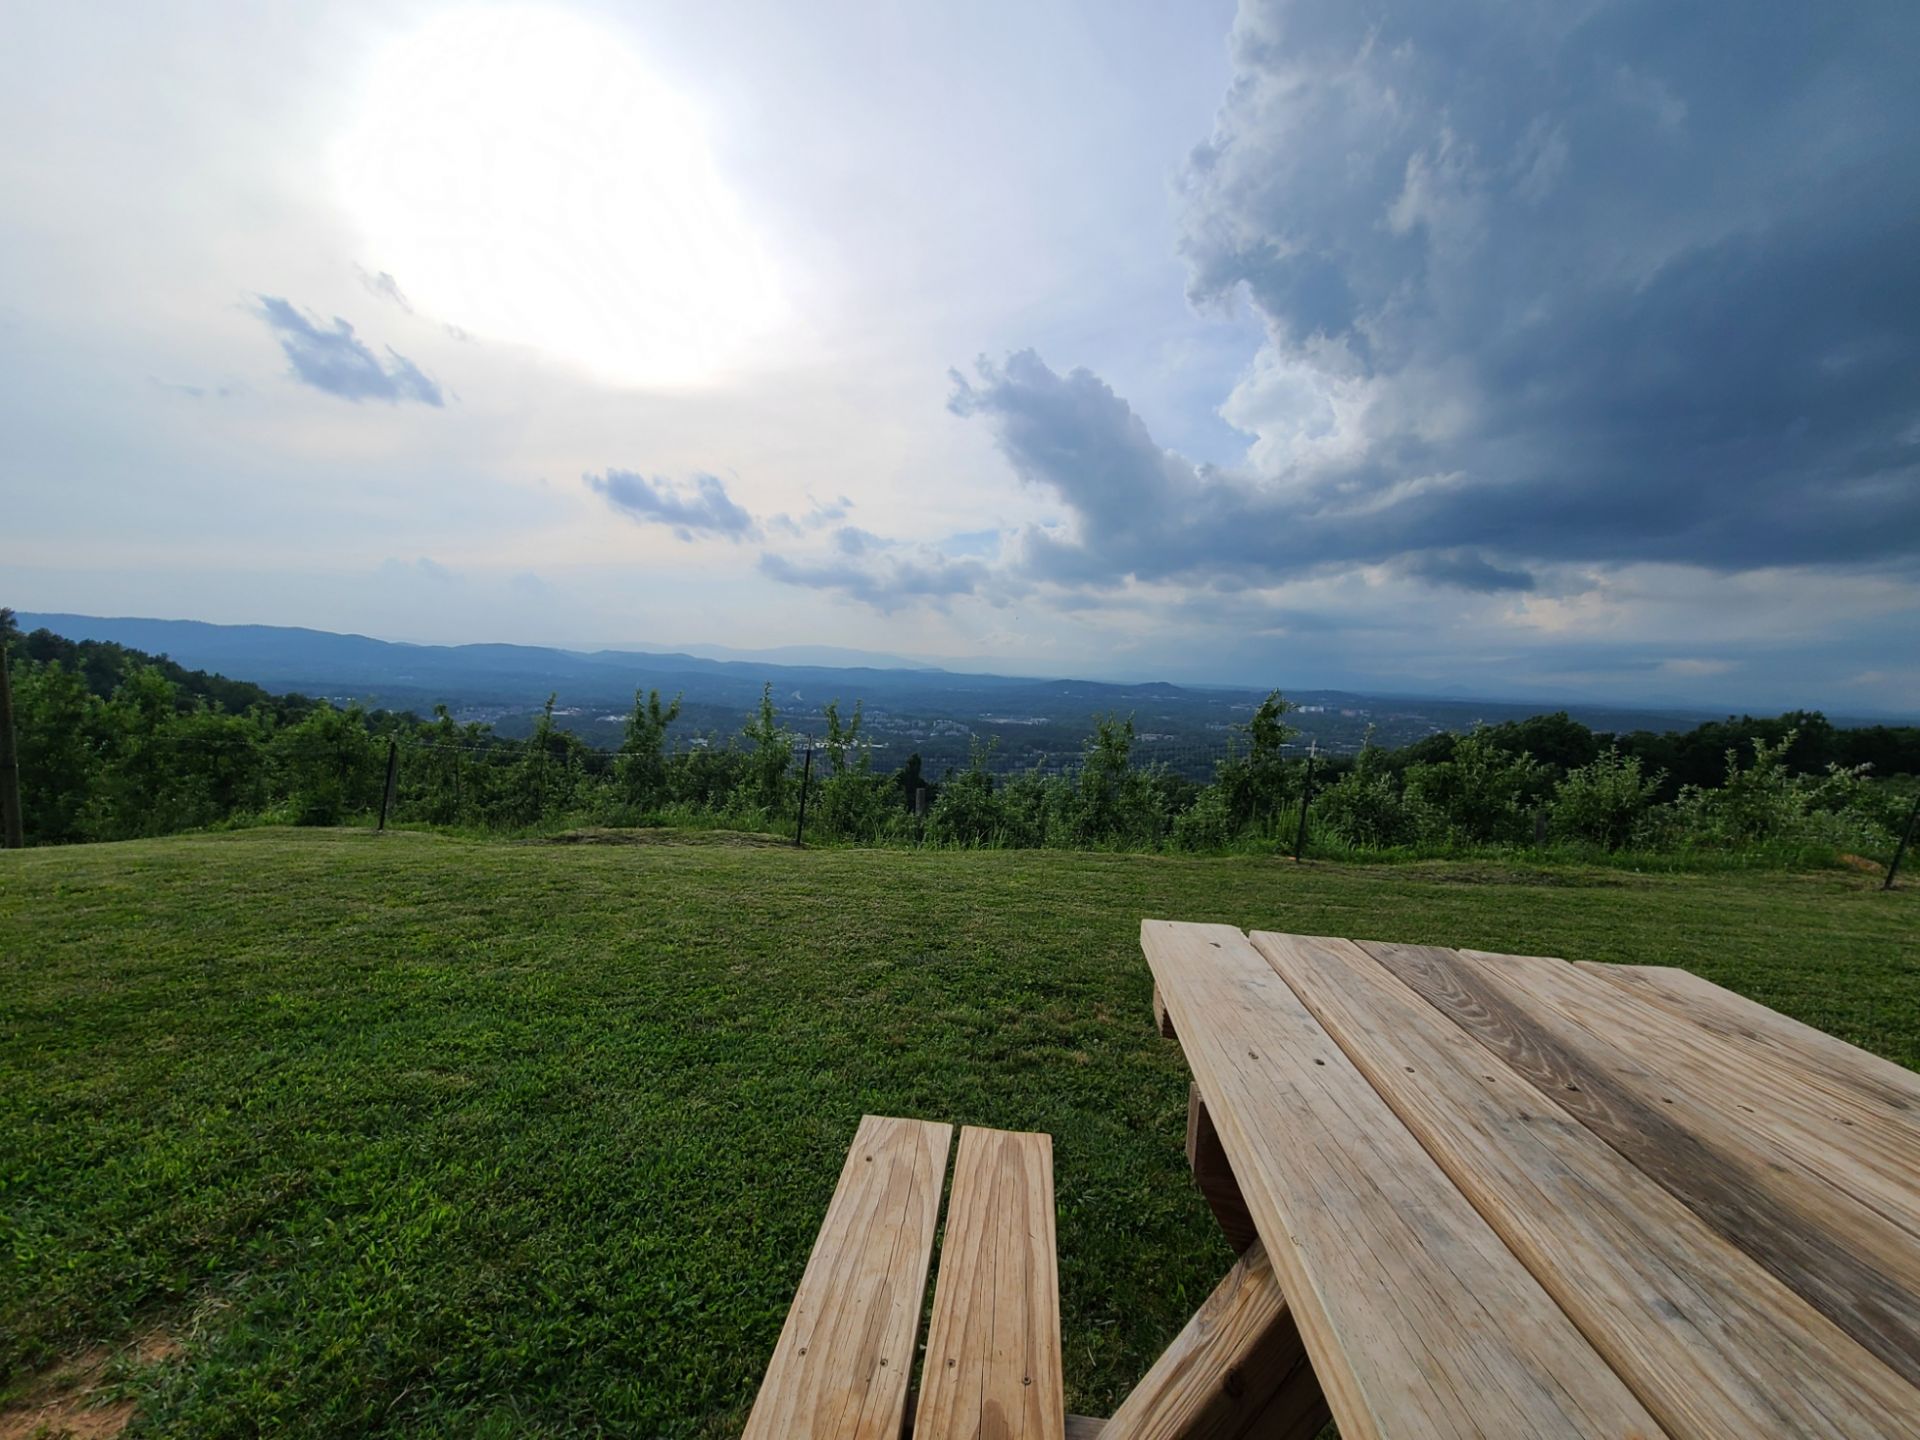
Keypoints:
(993, 1345)
(1844, 1258)
(1418, 1319)
(1162, 1021)
(1859, 1146)
(1713, 1344)
(1084, 1427)
(845, 1354)
(1873, 1079)
(1237, 1371)
(1214, 1175)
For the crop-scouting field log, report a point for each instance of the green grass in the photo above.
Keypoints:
(442, 1136)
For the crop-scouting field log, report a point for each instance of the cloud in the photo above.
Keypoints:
(336, 361)
(1464, 570)
(887, 585)
(1648, 296)
(193, 392)
(819, 514)
(383, 286)
(698, 506)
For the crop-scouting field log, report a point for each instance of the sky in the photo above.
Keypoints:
(1564, 349)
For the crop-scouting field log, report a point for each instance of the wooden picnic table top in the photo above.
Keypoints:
(1514, 1196)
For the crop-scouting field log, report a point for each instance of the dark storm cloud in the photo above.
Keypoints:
(1653, 296)
(1642, 281)
(1464, 570)
(335, 360)
(699, 506)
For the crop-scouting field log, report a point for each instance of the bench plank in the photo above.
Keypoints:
(1419, 1320)
(845, 1355)
(1237, 1370)
(1713, 1344)
(993, 1346)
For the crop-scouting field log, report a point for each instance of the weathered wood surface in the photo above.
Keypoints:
(844, 1357)
(1859, 1146)
(1713, 1344)
(1849, 1261)
(1213, 1173)
(1769, 1036)
(1238, 1371)
(1418, 1318)
(1162, 1021)
(993, 1366)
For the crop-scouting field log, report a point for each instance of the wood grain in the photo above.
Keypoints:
(1419, 1321)
(1162, 1021)
(1845, 1259)
(845, 1354)
(1214, 1175)
(1713, 1344)
(1237, 1371)
(993, 1345)
(1789, 1111)
(1769, 1035)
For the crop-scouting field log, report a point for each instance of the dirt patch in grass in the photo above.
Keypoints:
(76, 1399)
(1863, 865)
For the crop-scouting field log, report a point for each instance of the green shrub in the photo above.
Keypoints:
(1479, 794)
(1367, 809)
(1601, 802)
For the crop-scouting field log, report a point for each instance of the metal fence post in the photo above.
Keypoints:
(1306, 796)
(393, 771)
(12, 826)
(806, 774)
(1906, 838)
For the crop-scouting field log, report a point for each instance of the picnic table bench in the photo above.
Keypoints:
(1472, 1195)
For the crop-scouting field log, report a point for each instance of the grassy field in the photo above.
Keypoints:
(347, 1133)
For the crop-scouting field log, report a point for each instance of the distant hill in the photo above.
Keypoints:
(909, 708)
(322, 662)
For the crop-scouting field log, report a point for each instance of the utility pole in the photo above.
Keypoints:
(12, 828)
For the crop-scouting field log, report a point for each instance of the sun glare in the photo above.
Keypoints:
(525, 178)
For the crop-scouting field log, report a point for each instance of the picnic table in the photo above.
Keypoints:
(1472, 1195)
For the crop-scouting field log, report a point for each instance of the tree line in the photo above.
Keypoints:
(116, 744)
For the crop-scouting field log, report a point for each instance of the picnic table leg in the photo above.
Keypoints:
(1238, 1371)
(1214, 1175)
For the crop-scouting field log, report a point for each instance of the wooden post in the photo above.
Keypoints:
(1238, 1370)
(1899, 852)
(393, 771)
(806, 774)
(1306, 796)
(12, 826)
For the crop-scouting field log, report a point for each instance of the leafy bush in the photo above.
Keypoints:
(966, 812)
(1110, 802)
(643, 753)
(329, 766)
(1601, 802)
(1207, 824)
(1258, 787)
(1478, 795)
(1367, 809)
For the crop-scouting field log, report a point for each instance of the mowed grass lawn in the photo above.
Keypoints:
(438, 1136)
